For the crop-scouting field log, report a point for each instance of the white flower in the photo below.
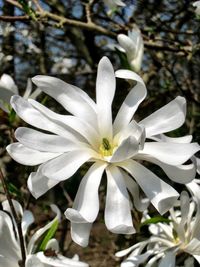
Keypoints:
(10, 252)
(8, 88)
(167, 241)
(114, 147)
(197, 5)
(133, 47)
(113, 3)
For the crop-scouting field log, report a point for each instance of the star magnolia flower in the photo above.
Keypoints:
(133, 47)
(197, 5)
(90, 135)
(8, 88)
(113, 3)
(10, 252)
(168, 241)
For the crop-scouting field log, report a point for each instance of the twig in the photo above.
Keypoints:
(17, 219)
(14, 18)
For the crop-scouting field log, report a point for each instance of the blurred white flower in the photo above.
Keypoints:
(6, 28)
(167, 241)
(133, 46)
(63, 65)
(10, 252)
(8, 88)
(114, 3)
(114, 147)
(197, 5)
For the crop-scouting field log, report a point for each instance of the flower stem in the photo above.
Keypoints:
(17, 219)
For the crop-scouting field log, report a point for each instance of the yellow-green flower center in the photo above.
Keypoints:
(106, 149)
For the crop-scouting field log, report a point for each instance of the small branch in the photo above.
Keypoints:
(14, 18)
(17, 219)
(14, 3)
(39, 8)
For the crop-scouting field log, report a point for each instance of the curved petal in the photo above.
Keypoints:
(7, 82)
(64, 166)
(133, 188)
(127, 44)
(73, 99)
(170, 153)
(34, 117)
(164, 138)
(52, 244)
(27, 220)
(167, 118)
(132, 100)
(118, 210)
(38, 184)
(9, 247)
(17, 206)
(32, 261)
(105, 90)
(182, 174)
(169, 260)
(80, 233)
(60, 261)
(86, 203)
(42, 230)
(161, 194)
(77, 125)
(45, 142)
(27, 156)
(127, 149)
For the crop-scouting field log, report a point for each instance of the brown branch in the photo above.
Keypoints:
(14, 18)
(14, 3)
(17, 219)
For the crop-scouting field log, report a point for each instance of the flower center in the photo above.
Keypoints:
(106, 149)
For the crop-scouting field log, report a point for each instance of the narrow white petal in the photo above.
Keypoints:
(164, 138)
(105, 90)
(80, 233)
(118, 210)
(169, 260)
(44, 142)
(170, 153)
(27, 220)
(131, 102)
(182, 174)
(127, 149)
(141, 204)
(28, 89)
(167, 118)
(127, 43)
(42, 230)
(161, 194)
(74, 124)
(38, 184)
(28, 156)
(7, 82)
(34, 117)
(86, 203)
(64, 166)
(73, 99)
(17, 206)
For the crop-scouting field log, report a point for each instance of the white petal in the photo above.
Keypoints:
(117, 211)
(17, 206)
(52, 244)
(132, 186)
(127, 149)
(33, 261)
(7, 82)
(73, 99)
(161, 195)
(27, 156)
(182, 174)
(64, 166)
(38, 184)
(80, 233)
(86, 203)
(127, 43)
(170, 153)
(60, 261)
(42, 230)
(44, 142)
(34, 117)
(164, 138)
(77, 125)
(167, 118)
(28, 89)
(27, 220)
(169, 260)
(131, 102)
(9, 247)
(105, 90)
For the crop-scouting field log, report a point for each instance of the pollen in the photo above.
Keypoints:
(106, 148)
